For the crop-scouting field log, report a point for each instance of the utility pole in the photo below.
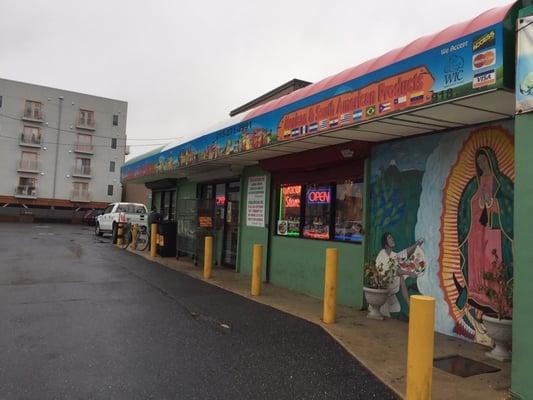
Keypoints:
(57, 145)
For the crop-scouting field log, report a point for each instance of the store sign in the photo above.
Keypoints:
(319, 196)
(411, 88)
(205, 222)
(466, 66)
(290, 196)
(524, 65)
(255, 201)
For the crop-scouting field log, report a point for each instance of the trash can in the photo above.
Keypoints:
(166, 246)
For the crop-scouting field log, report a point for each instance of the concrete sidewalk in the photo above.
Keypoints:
(381, 346)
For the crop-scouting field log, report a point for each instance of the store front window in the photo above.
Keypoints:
(289, 210)
(349, 211)
(317, 211)
(164, 202)
(325, 211)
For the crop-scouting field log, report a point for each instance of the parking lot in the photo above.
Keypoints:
(81, 319)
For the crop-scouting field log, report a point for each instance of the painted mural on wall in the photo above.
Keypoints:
(442, 208)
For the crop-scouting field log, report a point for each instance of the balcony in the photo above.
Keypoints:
(84, 148)
(26, 192)
(27, 140)
(81, 171)
(86, 123)
(33, 115)
(31, 166)
(80, 196)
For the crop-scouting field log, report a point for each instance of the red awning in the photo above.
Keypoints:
(487, 18)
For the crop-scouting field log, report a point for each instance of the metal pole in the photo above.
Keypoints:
(330, 286)
(57, 145)
(420, 347)
(256, 269)
(208, 257)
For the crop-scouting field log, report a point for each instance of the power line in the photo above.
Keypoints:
(93, 145)
(72, 131)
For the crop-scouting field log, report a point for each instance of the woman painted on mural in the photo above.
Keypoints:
(485, 225)
(388, 258)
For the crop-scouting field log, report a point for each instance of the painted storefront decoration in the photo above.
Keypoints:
(442, 209)
(471, 64)
(524, 65)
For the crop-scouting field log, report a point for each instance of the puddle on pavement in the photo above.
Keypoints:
(463, 367)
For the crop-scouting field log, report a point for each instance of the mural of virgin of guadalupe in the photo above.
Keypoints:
(485, 226)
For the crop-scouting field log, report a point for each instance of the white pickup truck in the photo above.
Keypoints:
(134, 213)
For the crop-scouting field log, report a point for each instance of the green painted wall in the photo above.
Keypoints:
(522, 369)
(248, 236)
(186, 189)
(298, 264)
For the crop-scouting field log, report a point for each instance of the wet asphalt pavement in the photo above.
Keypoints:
(81, 319)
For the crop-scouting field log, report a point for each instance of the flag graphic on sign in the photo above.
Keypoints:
(295, 132)
(357, 114)
(416, 97)
(334, 122)
(303, 129)
(384, 107)
(313, 127)
(400, 100)
(345, 118)
(324, 124)
(370, 111)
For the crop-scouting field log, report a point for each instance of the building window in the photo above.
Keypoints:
(115, 120)
(289, 210)
(80, 191)
(27, 186)
(86, 118)
(349, 211)
(85, 143)
(29, 161)
(164, 202)
(317, 211)
(31, 135)
(83, 166)
(0, 101)
(330, 211)
(33, 110)
(111, 166)
(110, 190)
(113, 143)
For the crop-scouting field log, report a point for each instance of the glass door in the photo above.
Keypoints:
(231, 224)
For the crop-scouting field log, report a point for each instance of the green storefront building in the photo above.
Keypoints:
(428, 146)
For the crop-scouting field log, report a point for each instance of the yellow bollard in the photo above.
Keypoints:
(256, 269)
(420, 347)
(153, 242)
(120, 234)
(134, 234)
(208, 257)
(330, 286)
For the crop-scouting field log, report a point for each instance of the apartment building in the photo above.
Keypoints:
(59, 150)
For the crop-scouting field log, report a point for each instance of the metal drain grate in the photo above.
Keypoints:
(462, 366)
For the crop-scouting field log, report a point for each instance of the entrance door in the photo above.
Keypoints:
(231, 224)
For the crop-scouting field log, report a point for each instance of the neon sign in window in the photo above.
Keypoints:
(289, 210)
(319, 196)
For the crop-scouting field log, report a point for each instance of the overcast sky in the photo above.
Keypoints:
(183, 65)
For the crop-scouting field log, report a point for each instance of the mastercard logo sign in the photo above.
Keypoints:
(484, 59)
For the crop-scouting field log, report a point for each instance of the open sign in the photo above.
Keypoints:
(318, 196)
